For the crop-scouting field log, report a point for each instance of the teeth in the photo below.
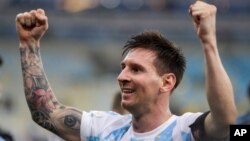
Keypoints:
(127, 91)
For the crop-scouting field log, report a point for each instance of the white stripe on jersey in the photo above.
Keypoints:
(110, 126)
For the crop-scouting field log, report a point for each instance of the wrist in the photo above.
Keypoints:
(209, 45)
(29, 42)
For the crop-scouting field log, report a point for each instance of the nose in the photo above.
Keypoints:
(123, 76)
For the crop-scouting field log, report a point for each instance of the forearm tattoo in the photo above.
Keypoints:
(72, 119)
(43, 120)
(40, 98)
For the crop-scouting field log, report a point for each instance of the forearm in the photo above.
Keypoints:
(219, 88)
(38, 92)
(45, 109)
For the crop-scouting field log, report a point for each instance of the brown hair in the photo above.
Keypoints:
(169, 58)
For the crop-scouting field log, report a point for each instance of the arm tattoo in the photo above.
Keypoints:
(43, 120)
(45, 109)
(37, 90)
(70, 121)
(38, 93)
(73, 120)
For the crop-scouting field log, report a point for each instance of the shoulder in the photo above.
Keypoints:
(180, 126)
(188, 117)
(183, 122)
(103, 118)
(104, 115)
(96, 123)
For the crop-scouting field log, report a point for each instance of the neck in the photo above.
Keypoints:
(149, 121)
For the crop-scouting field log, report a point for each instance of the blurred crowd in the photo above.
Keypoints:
(240, 6)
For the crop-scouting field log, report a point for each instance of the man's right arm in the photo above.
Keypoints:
(44, 107)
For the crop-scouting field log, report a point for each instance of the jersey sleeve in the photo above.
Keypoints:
(94, 122)
(198, 130)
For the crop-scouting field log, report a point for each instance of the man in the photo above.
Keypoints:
(151, 69)
(245, 117)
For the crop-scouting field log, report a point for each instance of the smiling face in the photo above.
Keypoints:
(139, 81)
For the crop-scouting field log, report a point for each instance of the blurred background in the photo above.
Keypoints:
(81, 53)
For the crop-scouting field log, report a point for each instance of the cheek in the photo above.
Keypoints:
(151, 84)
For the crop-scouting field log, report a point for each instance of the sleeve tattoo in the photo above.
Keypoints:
(45, 109)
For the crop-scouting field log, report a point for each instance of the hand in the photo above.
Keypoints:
(31, 26)
(204, 18)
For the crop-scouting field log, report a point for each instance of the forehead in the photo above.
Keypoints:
(140, 55)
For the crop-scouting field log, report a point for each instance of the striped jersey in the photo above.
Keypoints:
(110, 126)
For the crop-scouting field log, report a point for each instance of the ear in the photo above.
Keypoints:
(168, 82)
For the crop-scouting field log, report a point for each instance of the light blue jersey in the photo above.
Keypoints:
(110, 126)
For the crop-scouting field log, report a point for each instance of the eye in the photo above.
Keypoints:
(122, 66)
(72, 122)
(135, 69)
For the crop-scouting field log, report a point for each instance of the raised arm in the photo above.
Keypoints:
(44, 107)
(218, 85)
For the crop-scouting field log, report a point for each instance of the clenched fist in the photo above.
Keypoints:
(204, 19)
(31, 26)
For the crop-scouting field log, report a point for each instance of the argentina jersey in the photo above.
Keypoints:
(110, 126)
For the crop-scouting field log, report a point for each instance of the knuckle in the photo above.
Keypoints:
(214, 8)
(18, 16)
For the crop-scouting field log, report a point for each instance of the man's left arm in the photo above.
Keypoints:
(218, 85)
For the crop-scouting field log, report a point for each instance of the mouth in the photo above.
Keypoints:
(126, 91)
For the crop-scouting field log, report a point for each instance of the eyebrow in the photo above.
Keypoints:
(132, 64)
